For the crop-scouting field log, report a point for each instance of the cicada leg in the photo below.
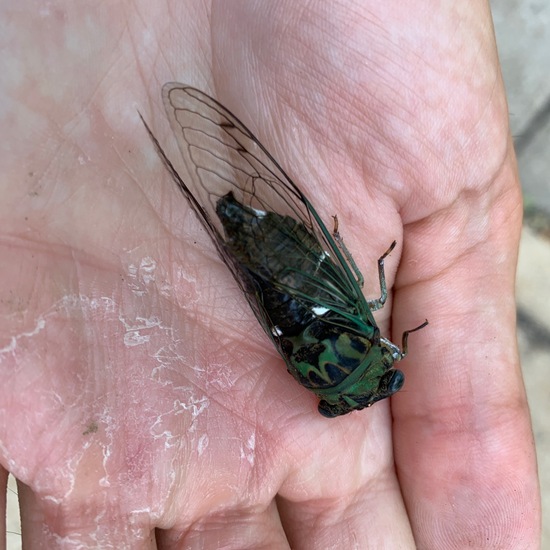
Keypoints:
(397, 353)
(340, 242)
(379, 302)
(405, 338)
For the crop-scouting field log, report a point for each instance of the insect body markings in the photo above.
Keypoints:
(298, 277)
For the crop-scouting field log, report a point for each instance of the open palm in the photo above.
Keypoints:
(140, 392)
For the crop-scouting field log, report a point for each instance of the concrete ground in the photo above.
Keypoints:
(523, 34)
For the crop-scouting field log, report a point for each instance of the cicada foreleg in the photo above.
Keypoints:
(405, 338)
(397, 353)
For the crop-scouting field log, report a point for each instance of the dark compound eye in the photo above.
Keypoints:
(392, 382)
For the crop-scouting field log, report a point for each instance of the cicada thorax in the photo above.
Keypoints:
(328, 351)
(347, 365)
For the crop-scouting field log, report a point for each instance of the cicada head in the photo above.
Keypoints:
(373, 380)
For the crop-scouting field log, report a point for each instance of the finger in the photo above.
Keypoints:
(373, 516)
(462, 433)
(244, 528)
(343, 492)
(47, 523)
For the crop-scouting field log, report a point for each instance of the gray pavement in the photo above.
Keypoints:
(522, 29)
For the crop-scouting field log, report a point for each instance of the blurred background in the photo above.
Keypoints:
(522, 30)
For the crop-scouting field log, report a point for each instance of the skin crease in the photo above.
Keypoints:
(141, 404)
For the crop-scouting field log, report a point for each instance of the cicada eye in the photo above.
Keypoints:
(391, 382)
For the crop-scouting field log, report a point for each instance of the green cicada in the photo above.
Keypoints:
(298, 277)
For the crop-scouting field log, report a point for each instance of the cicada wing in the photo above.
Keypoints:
(221, 155)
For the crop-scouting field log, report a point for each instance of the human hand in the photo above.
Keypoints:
(140, 392)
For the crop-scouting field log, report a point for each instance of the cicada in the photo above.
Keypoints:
(297, 275)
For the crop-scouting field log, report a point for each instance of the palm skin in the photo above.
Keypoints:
(140, 392)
